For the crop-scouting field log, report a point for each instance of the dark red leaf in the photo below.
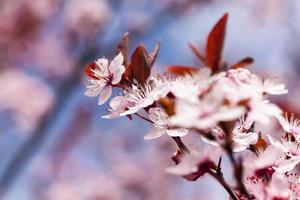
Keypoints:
(152, 57)
(139, 68)
(243, 63)
(89, 71)
(123, 47)
(168, 104)
(182, 70)
(215, 42)
(198, 54)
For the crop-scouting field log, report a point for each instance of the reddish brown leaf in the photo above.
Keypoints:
(139, 67)
(198, 54)
(215, 43)
(243, 63)
(182, 70)
(89, 71)
(152, 57)
(123, 47)
(261, 143)
(168, 104)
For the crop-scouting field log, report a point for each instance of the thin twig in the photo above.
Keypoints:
(222, 181)
(181, 145)
(237, 167)
(144, 118)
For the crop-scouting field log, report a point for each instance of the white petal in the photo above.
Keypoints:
(154, 133)
(276, 143)
(112, 115)
(93, 90)
(117, 74)
(118, 102)
(130, 111)
(284, 123)
(287, 165)
(246, 139)
(179, 132)
(158, 116)
(229, 114)
(211, 142)
(116, 63)
(102, 64)
(238, 147)
(105, 94)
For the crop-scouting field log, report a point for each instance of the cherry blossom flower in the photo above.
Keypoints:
(207, 112)
(263, 111)
(196, 164)
(268, 190)
(269, 86)
(191, 85)
(279, 157)
(272, 87)
(162, 125)
(292, 180)
(117, 105)
(104, 76)
(290, 124)
(142, 96)
(242, 135)
(290, 149)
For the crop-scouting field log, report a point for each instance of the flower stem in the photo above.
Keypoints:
(144, 118)
(181, 145)
(222, 181)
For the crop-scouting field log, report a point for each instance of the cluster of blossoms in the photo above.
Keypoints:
(220, 103)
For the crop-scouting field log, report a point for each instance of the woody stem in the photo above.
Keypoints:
(181, 145)
(219, 177)
(144, 118)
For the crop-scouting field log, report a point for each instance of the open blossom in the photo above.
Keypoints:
(117, 106)
(270, 185)
(212, 107)
(191, 85)
(162, 125)
(290, 149)
(269, 86)
(227, 98)
(272, 189)
(290, 124)
(142, 96)
(280, 156)
(268, 177)
(104, 76)
(197, 163)
(272, 87)
(242, 136)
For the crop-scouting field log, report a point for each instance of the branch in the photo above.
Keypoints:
(217, 176)
(181, 145)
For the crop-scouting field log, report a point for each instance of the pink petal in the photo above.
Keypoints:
(246, 139)
(154, 133)
(180, 132)
(93, 90)
(105, 94)
(117, 74)
(116, 63)
(118, 102)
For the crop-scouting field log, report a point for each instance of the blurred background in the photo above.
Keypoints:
(54, 145)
